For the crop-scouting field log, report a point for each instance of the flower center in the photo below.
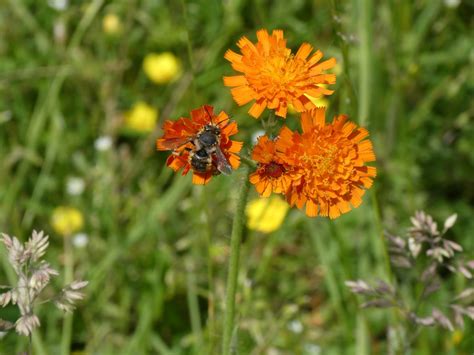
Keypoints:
(274, 170)
(277, 73)
(323, 162)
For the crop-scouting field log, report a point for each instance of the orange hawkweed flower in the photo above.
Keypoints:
(273, 174)
(274, 77)
(184, 138)
(331, 163)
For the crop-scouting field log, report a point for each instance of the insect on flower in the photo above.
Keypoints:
(201, 143)
(323, 168)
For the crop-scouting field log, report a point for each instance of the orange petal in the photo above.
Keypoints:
(327, 64)
(232, 57)
(311, 208)
(334, 212)
(304, 51)
(201, 179)
(242, 95)
(315, 58)
(257, 108)
(237, 80)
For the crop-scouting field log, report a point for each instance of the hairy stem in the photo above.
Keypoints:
(232, 276)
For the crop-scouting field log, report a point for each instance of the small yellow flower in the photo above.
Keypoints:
(266, 214)
(66, 220)
(318, 101)
(141, 118)
(111, 24)
(457, 337)
(337, 69)
(161, 68)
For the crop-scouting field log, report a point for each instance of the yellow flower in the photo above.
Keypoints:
(161, 68)
(266, 214)
(141, 118)
(66, 220)
(337, 69)
(318, 101)
(111, 24)
(457, 337)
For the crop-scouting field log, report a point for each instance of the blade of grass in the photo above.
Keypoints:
(68, 278)
(329, 257)
(364, 25)
(193, 306)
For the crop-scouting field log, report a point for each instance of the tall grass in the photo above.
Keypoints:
(158, 246)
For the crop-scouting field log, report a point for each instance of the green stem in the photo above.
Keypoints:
(336, 9)
(232, 276)
(207, 230)
(193, 305)
(247, 161)
(269, 124)
(68, 277)
(189, 47)
(365, 59)
(380, 232)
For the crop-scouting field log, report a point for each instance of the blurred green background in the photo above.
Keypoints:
(153, 246)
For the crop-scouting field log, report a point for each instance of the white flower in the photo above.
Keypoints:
(256, 135)
(295, 326)
(75, 186)
(311, 349)
(59, 5)
(80, 240)
(452, 3)
(103, 143)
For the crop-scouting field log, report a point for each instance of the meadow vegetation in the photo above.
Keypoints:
(84, 89)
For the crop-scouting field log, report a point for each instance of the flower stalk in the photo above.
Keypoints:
(68, 277)
(233, 272)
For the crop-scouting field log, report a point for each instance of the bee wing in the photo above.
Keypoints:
(172, 143)
(222, 163)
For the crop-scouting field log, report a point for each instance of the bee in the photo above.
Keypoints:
(205, 155)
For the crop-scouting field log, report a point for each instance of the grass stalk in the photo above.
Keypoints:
(233, 272)
(207, 230)
(68, 278)
(193, 305)
(189, 49)
(364, 25)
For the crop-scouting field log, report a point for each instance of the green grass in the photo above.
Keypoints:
(158, 246)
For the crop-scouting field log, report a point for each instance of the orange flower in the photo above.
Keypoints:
(273, 173)
(181, 137)
(274, 77)
(330, 161)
